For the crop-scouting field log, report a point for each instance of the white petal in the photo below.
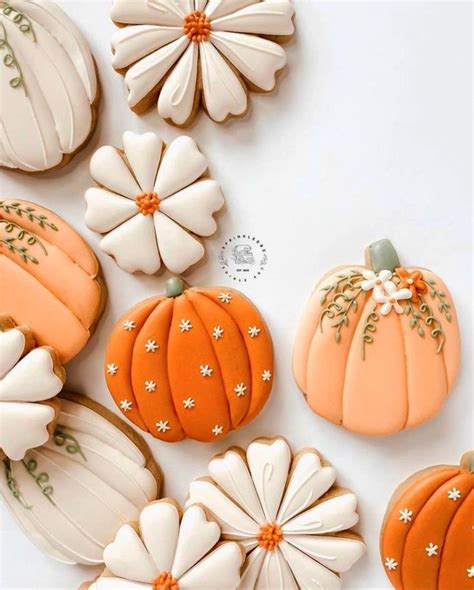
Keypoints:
(385, 275)
(143, 154)
(199, 5)
(23, 426)
(31, 379)
(386, 308)
(219, 570)
(159, 526)
(176, 100)
(132, 43)
(308, 482)
(257, 59)
(178, 249)
(12, 345)
(309, 573)
(330, 516)
(403, 294)
(398, 308)
(118, 584)
(269, 464)
(133, 245)
(262, 18)
(252, 567)
(369, 275)
(367, 285)
(197, 536)
(146, 74)
(182, 164)
(336, 553)
(128, 558)
(109, 169)
(106, 210)
(389, 287)
(275, 573)
(216, 8)
(154, 12)
(224, 94)
(379, 295)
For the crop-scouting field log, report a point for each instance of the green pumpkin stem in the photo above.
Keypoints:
(175, 287)
(381, 255)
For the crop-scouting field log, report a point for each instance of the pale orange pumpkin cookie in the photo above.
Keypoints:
(378, 350)
(194, 363)
(427, 537)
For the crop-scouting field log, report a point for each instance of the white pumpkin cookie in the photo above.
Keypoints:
(28, 377)
(294, 523)
(152, 201)
(172, 52)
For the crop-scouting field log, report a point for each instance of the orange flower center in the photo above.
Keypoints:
(197, 26)
(378, 282)
(165, 581)
(392, 300)
(148, 203)
(269, 536)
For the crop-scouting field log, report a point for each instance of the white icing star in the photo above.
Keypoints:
(266, 375)
(432, 550)
(163, 426)
(240, 389)
(454, 494)
(129, 325)
(391, 564)
(150, 386)
(225, 297)
(189, 403)
(217, 332)
(205, 370)
(253, 331)
(112, 369)
(126, 405)
(406, 515)
(151, 346)
(185, 325)
(217, 430)
(470, 571)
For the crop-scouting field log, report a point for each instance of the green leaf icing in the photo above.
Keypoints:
(72, 446)
(41, 479)
(13, 486)
(29, 213)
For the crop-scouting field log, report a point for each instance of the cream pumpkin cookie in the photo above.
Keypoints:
(152, 201)
(48, 87)
(295, 524)
(30, 379)
(178, 54)
(378, 350)
(194, 363)
(71, 495)
(51, 280)
(427, 536)
(170, 550)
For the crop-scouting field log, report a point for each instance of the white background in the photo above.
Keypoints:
(367, 136)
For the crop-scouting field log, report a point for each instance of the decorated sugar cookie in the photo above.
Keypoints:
(71, 495)
(377, 349)
(427, 537)
(29, 380)
(194, 363)
(294, 523)
(169, 550)
(51, 279)
(152, 202)
(48, 87)
(180, 54)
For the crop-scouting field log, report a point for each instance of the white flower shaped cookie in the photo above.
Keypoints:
(27, 375)
(285, 511)
(151, 201)
(170, 553)
(177, 50)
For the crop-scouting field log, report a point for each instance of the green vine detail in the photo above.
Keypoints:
(41, 479)
(370, 327)
(443, 306)
(338, 310)
(342, 283)
(72, 446)
(22, 233)
(21, 20)
(436, 330)
(13, 486)
(29, 213)
(416, 318)
(9, 59)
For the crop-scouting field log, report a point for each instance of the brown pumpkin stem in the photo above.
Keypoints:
(381, 255)
(467, 461)
(175, 287)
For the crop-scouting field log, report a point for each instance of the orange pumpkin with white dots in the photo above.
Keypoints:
(194, 363)
(378, 347)
(427, 537)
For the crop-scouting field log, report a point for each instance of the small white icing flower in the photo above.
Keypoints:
(240, 389)
(151, 346)
(217, 430)
(253, 331)
(406, 515)
(185, 326)
(219, 47)
(205, 371)
(432, 550)
(217, 332)
(391, 564)
(151, 203)
(163, 426)
(266, 375)
(225, 297)
(390, 298)
(470, 572)
(374, 280)
(454, 494)
(274, 505)
(167, 553)
(189, 403)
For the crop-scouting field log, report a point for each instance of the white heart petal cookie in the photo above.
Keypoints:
(295, 524)
(169, 550)
(30, 379)
(152, 202)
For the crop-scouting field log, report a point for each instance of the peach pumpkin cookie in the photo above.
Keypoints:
(51, 279)
(378, 348)
(427, 537)
(194, 363)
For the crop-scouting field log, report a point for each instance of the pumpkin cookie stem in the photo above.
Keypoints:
(175, 287)
(467, 461)
(381, 255)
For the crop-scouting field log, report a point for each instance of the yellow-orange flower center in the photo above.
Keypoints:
(197, 26)
(269, 536)
(165, 581)
(148, 203)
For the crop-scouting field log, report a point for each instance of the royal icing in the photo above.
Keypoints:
(194, 47)
(48, 86)
(192, 385)
(171, 552)
(378, 348)
(275, 505)
(152, 206)
(71, 495)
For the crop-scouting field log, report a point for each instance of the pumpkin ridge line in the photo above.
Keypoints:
(405, 356)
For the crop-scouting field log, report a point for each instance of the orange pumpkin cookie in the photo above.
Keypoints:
(428, 534)
(50, 277)
(196, 363)
(378, 348)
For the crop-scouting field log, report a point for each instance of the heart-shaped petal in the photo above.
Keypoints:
(128, 558)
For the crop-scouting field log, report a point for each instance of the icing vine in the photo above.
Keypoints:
(72, 446)
(41, 479)
(31, 240)
(29, 213)
(13, 486)
(21, 20)
(370, 327)
(443, 305)
(9, 59)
